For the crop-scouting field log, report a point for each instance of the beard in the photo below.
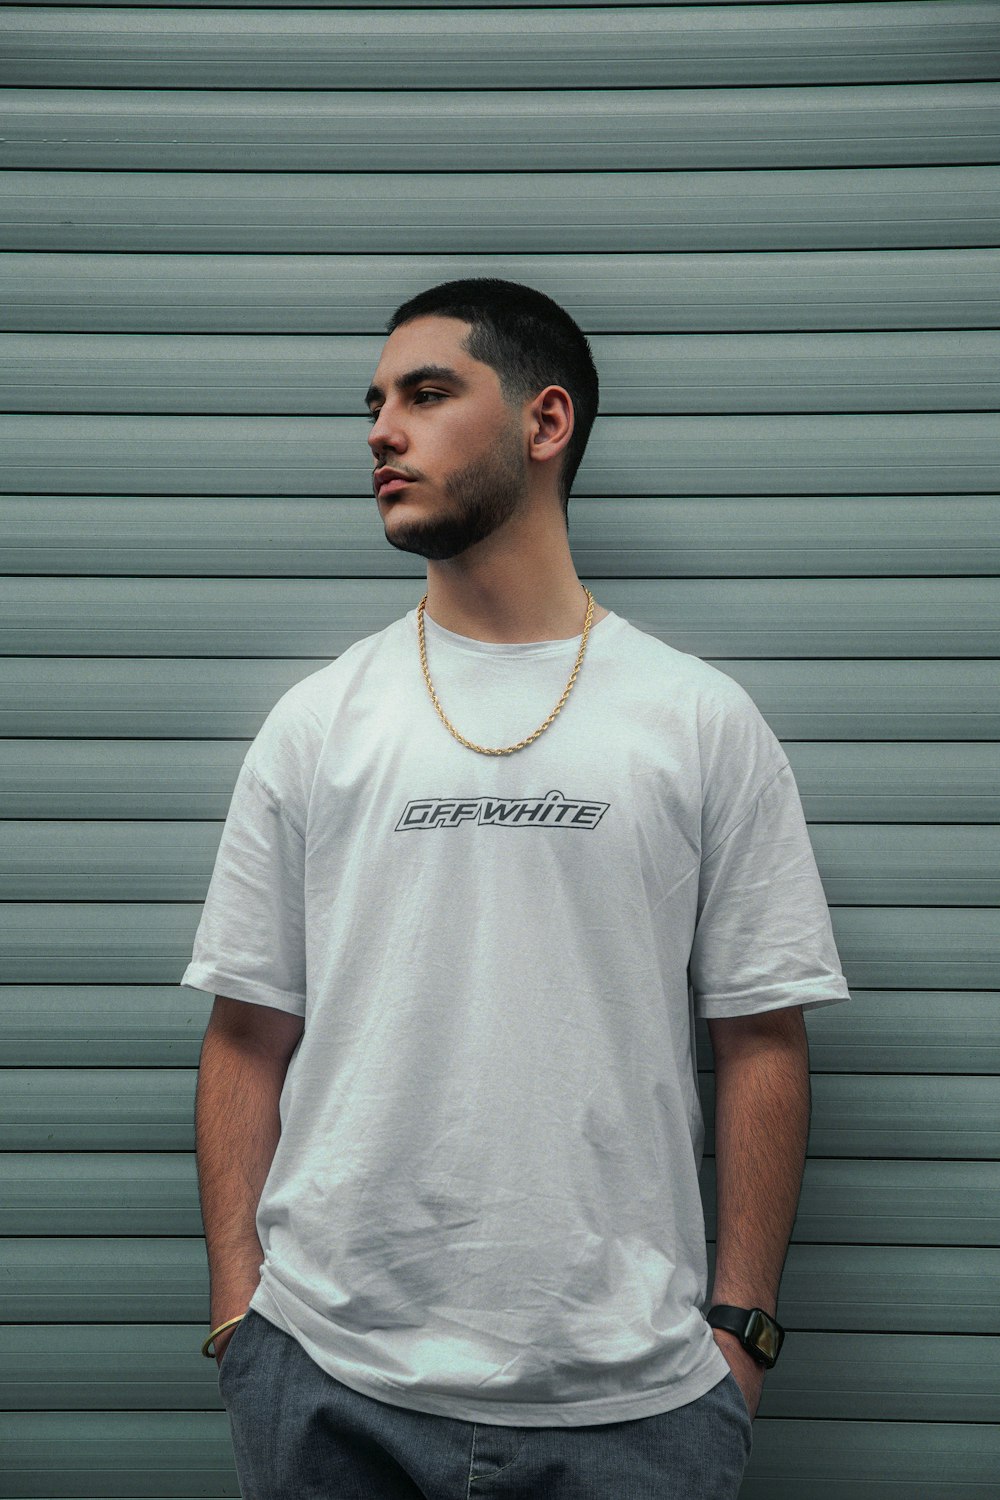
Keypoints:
(480, 499)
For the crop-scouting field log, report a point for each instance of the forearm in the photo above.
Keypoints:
(762, 1109)
(237, 1126)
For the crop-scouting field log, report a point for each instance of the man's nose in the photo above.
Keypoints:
(381, 435)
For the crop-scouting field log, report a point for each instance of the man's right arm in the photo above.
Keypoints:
(244, 1058)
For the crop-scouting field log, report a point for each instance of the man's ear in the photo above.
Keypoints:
(553, 422)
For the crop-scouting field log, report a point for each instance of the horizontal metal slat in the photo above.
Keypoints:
(218, 699)
(855, 1287)
(714, 536)
(544, 129)
(871, 1460)
(860, 1288)
(880, 1031)
(69, 291)
(838, 782)
(894, 1114)
(776, 617)
(729, 455)
(156, 1367)
(422, 213)
(891, 1031)
(641, 374)
(335, 5)
(842, 1202)
(115, 1454)
(97, 1109)
(87, 858)
(643, 46)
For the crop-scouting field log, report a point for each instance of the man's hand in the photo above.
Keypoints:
(749, 1374)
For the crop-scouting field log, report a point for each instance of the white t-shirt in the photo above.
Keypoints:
(484, 1201)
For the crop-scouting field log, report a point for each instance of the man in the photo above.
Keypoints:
(478, 877)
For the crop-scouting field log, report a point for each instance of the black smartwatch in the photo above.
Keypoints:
(756, 1330)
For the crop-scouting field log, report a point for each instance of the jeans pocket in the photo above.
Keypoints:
(739, 1396)
(735, 1394)
(236, 1337)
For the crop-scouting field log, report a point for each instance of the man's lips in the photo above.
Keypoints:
(391, 485)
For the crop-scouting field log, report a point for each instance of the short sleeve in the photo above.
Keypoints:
(763, 937)
(250, 942)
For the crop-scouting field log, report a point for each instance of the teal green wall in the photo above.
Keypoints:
(779, 225)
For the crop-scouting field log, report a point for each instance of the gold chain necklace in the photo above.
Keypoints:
(521, 743)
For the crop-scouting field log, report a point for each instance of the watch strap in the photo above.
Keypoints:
(737, 1320)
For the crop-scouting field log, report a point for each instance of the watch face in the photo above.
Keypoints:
(762, 1332)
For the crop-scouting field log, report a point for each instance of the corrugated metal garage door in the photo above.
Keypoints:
(779, 227)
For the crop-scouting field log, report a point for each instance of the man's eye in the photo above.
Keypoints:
(438, 396)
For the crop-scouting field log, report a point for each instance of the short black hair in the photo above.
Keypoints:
(529, 340)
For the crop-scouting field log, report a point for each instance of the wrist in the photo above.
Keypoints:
(231, 1297)
(765, 1302)
(220, 1334)
(224, 1318)
(728, 1340)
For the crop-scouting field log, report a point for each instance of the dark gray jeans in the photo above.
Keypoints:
(299, 1434)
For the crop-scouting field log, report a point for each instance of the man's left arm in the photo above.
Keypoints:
(762, 1109)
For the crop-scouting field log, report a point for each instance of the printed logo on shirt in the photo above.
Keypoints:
(554, 810)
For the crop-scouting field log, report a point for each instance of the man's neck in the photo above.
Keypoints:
(509, 628)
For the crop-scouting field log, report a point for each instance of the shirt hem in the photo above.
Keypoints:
(601, 1411)
(709, 1009)
(199, 976)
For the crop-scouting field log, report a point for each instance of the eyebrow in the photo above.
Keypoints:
(414, 377)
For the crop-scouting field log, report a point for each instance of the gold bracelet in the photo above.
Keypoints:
(211, 1336)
